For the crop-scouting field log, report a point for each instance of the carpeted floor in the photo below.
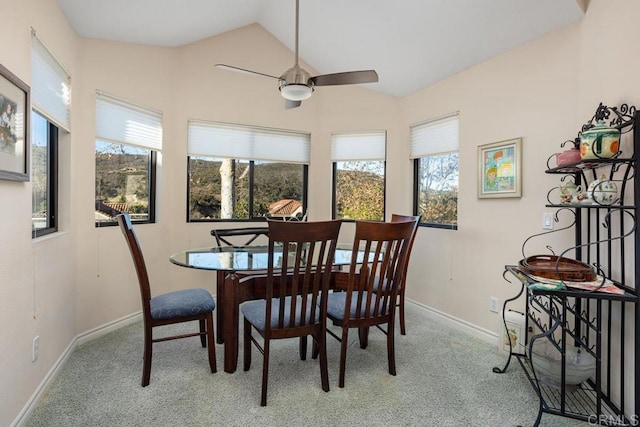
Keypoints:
(444, 378)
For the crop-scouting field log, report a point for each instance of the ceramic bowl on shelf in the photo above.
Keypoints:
(547, 363)
(602, 192)
(569, 156)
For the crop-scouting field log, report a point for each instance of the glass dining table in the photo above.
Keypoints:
(231, 264)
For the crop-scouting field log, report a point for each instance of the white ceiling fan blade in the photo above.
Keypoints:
(345, 78)
(244, 71)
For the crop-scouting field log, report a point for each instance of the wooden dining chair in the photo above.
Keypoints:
(173, 307)
(228, 237)
(379, 251)
(299, 270)
(403, 282)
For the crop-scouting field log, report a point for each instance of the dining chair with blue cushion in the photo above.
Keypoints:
(173, 307)
(379, 253)
(402, 287)
(299, 269)
(234, 237)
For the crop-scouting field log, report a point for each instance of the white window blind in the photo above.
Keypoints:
(120, 122)
(232, 141)
(358, 146)
(50, 85)
(435, 136)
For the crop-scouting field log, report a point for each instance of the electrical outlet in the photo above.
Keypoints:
(35, 351)
(493, 304)
(547, 221)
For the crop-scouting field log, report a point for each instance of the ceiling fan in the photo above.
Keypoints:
(296, 84)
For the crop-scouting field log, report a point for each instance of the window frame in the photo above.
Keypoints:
(251, 177)
(246, 143)
(51, 101)
(426, 147)
(347, 147)
(126, 123)
(53, 138)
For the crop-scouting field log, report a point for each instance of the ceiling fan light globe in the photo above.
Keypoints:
(296, 92)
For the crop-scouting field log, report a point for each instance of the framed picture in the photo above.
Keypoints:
(14, 127)
(500, 169)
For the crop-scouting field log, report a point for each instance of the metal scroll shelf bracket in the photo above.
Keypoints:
(606, 224)
(620, 117)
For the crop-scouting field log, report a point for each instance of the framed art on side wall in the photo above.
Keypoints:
(500, 169)
(14, 127)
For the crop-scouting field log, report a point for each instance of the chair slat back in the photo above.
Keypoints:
(300, 263)
(379, 254)
(138, 260)
(416, 220)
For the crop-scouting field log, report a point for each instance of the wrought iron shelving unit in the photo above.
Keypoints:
(603, 325)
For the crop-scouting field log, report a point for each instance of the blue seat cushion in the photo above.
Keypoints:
(376, 283)
(337, 301)
(256, 312)
(187, 302)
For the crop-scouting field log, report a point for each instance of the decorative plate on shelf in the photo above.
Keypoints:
(553, 267)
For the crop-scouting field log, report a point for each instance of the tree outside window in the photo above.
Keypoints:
(243, 189)
(437, 200)
(44, 175)
(123, 177)
(359, 190)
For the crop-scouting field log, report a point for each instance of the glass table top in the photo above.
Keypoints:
(242, 258)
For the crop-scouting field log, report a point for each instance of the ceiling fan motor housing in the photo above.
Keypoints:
(296, 84)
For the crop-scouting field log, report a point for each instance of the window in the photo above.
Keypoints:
(50, 88)
(245, 173)
(128, 142)
(359, 169)
(434, 148)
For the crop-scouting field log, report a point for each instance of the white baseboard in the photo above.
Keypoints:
(53, 372)
(57, 366)
(459, 324)
(94, 333)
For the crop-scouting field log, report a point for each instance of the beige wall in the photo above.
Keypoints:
(542, 92)
(525, 93)
(82, 277)
(36, 277)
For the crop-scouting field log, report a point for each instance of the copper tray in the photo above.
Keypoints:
(549, 267)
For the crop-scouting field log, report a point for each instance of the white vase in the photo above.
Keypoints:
(547, 363)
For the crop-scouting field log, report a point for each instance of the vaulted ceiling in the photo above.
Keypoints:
(410, 43)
